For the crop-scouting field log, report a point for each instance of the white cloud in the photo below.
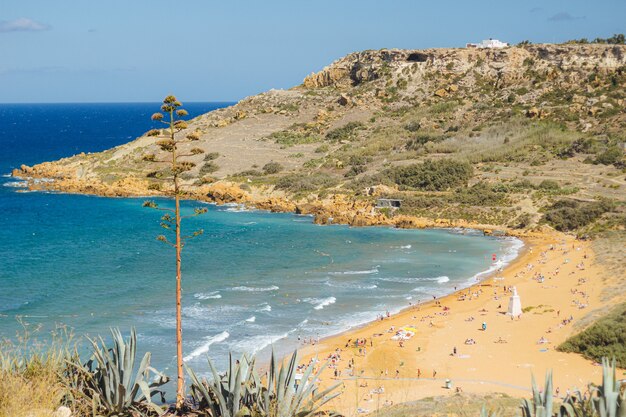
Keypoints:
(22, 25)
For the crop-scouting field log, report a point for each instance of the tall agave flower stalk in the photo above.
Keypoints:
(171, 143)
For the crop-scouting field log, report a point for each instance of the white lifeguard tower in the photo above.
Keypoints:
(515, 305)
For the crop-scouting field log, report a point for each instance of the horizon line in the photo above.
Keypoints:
(109, 102)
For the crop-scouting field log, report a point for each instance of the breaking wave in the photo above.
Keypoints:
(204, 348)
(254, 289)
(320, 303)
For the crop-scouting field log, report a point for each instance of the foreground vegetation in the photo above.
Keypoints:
(50, 379)
(38, 380)
(604, 338)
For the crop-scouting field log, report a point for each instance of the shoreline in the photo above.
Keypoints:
(502, 358)
(523, 251)
(486, 273)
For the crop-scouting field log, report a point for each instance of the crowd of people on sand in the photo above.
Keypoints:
(311, 340)
(355, 348)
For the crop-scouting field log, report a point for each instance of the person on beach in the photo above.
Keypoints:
(434, 373)
(419, 373)
(484, 326)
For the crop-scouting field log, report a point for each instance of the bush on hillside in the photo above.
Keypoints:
(346, 132)
(208, 168)
(610, 156)
(549, 185)
(605, 338)
(480, 194)
(211, 156)
(272, 168)
(299, 183)
(568, 215)
(420, 140)
(437, 175)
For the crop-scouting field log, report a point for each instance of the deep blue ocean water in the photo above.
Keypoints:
(252, 280)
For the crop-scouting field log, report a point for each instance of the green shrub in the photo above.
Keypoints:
(321, 149)
(480, 194)
(612, 155)
(272, 168)
(568, 215)
(299, 182)
(413, 126)
(346, 132)
(605, 338)
(437, 175)
(208, 168)
(419, 141)
(248, 173)
(419, 202)
(288, 138)
(211, 156)
(549, 185)
(355, 170)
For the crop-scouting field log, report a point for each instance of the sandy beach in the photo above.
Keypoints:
(558, 283)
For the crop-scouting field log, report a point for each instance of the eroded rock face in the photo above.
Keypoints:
(223, 192)
(507, 65)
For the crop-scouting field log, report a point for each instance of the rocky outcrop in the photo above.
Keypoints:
(508, 64)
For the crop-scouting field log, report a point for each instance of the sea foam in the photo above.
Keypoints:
(320, 303)
(204, 348)
(364, 272)
(255, 289)
(208, 295)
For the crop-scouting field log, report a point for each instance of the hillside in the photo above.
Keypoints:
(503, 138)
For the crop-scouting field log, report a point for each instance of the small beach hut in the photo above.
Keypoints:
(515, 305)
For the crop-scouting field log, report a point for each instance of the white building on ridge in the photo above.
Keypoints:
(488, 44)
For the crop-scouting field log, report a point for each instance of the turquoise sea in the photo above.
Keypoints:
(252, 281)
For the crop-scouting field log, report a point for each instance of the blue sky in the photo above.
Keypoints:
(209, 50)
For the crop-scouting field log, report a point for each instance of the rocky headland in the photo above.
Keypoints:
(536, 124)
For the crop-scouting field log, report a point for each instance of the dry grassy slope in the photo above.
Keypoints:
(507, 111)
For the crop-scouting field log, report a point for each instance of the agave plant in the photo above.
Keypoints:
(111, 383)
(609, 401)
(541, 404)
(230, 395)
(240, 392)
(606, 400)
(282, 397)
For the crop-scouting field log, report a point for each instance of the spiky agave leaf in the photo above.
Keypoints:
(110, 380)
(288, 400)
(227, 395)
